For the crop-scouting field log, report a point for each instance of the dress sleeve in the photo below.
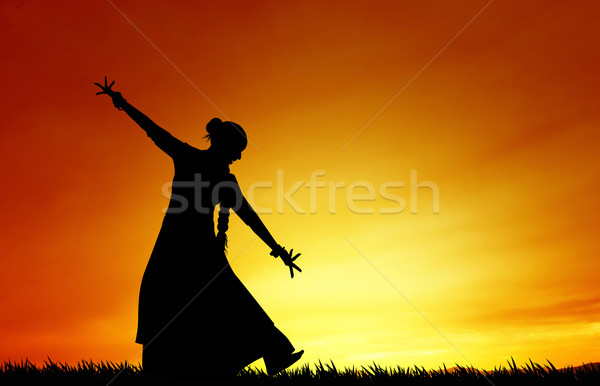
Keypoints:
(161, 137)
(166, 142)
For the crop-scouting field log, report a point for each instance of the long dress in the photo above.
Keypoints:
(195, 316)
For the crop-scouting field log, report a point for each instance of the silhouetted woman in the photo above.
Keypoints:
(196, 318)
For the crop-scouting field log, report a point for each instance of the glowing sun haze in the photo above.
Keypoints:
(504, 121)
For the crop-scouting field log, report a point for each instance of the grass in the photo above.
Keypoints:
(113, 374)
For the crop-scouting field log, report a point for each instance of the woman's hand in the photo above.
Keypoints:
(116, 96)
(287, 258)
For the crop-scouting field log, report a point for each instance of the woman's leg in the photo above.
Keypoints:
(279, 353)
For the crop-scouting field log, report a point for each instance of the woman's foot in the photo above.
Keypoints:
(277, 364)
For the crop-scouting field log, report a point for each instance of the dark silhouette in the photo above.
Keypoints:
(195, 316)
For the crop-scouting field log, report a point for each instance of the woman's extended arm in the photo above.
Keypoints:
(250, 218)
(163, 139)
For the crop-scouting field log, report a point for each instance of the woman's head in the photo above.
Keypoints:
(227, 138)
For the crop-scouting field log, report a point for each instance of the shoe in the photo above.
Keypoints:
(278, 364)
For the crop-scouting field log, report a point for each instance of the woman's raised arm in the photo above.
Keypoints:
(162, 138)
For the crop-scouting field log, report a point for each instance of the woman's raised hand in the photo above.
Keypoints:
(106, 89)
(116, 96)
(287, 258)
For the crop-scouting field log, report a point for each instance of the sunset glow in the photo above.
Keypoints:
(496, 110)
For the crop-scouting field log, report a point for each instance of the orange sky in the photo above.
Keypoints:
(504, 121)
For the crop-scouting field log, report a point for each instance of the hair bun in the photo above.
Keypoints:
(213, 125)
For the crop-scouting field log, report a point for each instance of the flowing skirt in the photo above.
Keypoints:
(195, 315)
